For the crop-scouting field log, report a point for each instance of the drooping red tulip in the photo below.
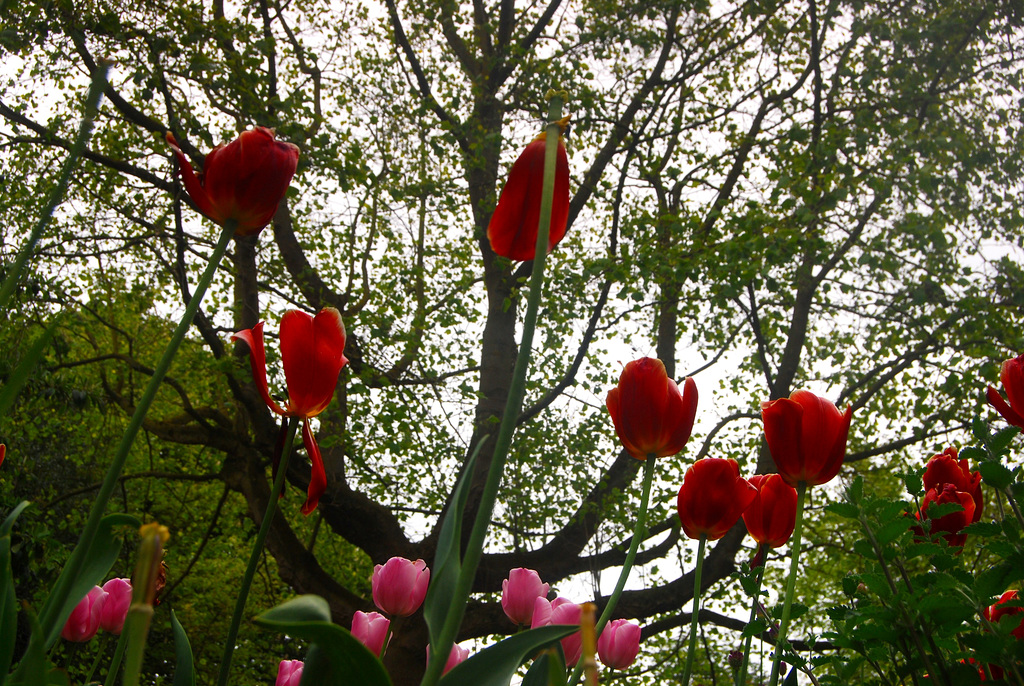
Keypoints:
(772, 515)
(946, 468)
(806, 436)
(312, 352)
(512, 230)
(650, 415)
(712, 497)
(244, 180)
(1012, 376)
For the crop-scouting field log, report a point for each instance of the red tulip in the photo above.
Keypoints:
(312, 352)
(650, 415)
(806, 436)
(513, 227)
(952, 524)
(712, 497)
(772, 515)
(244, 180)
(1000, 610)
(945, 468)
(1012, 376)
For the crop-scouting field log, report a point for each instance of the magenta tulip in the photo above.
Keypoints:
(115, 606)
(399, 586)
(560, 611)
(289, 673)
(619, 644)
(458, 654)
(371, 628)
(84, 621)
(519, 592)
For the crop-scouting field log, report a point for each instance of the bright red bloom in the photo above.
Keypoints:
(1012, 376)
(952, 524)
(806, 436)
(313, 353)
(650, 415)
(712, 497)
(771, 517)
(945, 468)
(999, 610)
(244, 180)
(513, 227)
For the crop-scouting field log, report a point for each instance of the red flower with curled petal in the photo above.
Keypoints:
(949, 525)
(650, 415)
(946, 468)
(244, 180)
(712, 497)
(1012, 375)
(512, 230)
(806, 436)
(312, 352)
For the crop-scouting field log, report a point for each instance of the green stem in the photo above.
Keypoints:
(634, 546)
(517, 391)
(256, 553)
(115, 662)
(694, 619)
(99, 656)
(801, 492)
(741, 675)
(92, 103)
(50, 617)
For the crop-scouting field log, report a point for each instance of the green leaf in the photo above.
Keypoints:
(1001, 441)
(546, 670)
(5, 528)
(983, 529)
(893, 530)
(754, 628)
(996, 474)
(496, 664)
(20, 375)
(309, 617)
(856, 490)
(843, 509)
(184, 668)
(973, 454)
(444, 574)
(105, 550)
(8, 600)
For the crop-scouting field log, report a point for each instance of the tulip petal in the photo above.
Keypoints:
(258, 361)
(193, 185)
(1003, 408)
(782, 420)
(317, 475)
(312, 350)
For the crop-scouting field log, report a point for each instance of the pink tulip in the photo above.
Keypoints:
(619, 644)
(519, 592)
(457, 655)
(560, 611)
(399, 586)
(84, 621)
(371, 628)
(289, 673)
(115, 606)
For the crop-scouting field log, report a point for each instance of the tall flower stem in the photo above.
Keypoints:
(51, 614)
(627, 566)
(694, 619)
(115, 662)
(741, 675)
(798, 530)
(257, 551)
(517, 391)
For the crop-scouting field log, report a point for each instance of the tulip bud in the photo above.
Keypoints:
(458, 654)
(519, 592)
(84, 621)
(806, 436)
(399, 586)
(651, 416)
(560, 611)
(712, 497)
(1001, 609)
(619, 644)
(772, 514)
(115, 606)
(289, 673)
(371, 628)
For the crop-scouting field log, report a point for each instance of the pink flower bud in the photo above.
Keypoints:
(289, 673)
(457, 655)
(115, 606)
(84, 621)
(519, 592)
(560, 611)
(619, 644)
(399, 586)
(371, 628)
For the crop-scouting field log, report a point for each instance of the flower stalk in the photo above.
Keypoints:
(517, 391)
(694, 619)
(801, 494)
(741, 675)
